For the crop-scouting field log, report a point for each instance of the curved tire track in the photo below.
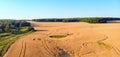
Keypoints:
(47, 48)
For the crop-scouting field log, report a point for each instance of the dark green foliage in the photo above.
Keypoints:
(13, 26)
(1, 31)
(65, 20)
(58, 20)
(89, 20)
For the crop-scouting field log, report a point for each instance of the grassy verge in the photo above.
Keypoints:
(8, 40)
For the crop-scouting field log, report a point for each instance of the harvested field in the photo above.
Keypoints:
(82, 40)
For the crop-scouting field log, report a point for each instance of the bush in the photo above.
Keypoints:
(26, 29)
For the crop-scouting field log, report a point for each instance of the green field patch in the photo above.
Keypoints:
(102, 44)
(57, 36)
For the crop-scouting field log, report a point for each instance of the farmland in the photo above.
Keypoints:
(71, 39)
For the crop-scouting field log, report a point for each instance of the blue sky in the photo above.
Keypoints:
(28, 9)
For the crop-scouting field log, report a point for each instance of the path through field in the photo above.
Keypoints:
(83, 40)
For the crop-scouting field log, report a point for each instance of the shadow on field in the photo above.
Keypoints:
(41, 30)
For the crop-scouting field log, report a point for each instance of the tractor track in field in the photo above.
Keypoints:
(47, 48)
(117, 50)
(23, 49)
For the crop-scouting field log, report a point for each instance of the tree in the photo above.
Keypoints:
(65, 20)
(7, 28)
(1, 31)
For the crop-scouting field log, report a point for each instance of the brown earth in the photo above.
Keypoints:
(83, 40)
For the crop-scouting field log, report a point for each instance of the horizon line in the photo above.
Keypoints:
(53, 18)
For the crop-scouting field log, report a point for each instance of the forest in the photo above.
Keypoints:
(89, 20)
(14, 26)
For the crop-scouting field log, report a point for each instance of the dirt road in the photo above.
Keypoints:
(83, 40)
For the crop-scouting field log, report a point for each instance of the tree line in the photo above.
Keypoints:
(89, 20)
(14, 26)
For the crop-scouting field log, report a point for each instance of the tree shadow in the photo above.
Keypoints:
(41, 30)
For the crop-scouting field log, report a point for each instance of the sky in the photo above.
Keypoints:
(32, 9)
